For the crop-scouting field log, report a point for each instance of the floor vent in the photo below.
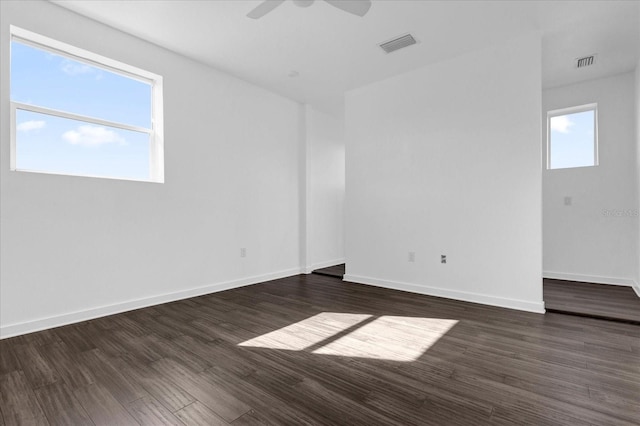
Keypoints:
(398, 43)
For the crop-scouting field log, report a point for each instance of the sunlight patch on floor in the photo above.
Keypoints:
(306, 333)
(390, 338)
(393, 338)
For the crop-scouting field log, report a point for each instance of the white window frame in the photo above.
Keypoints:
(573, 110)
(156, 133)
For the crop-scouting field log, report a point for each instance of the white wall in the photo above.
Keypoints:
(74, 247)
(637, 283)
(324, 189)
(446, 160)
(582, 242)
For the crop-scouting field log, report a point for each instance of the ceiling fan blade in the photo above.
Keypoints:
(357, 7)
(264, 8)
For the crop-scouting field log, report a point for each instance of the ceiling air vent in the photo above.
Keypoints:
(398, 43)
(586, 61)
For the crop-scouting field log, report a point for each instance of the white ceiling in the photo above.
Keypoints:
(334, 51)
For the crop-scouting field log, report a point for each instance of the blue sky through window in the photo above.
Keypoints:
(47, 143)
(54, 144)
(572, 140)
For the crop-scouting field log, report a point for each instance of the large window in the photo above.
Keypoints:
(572, 137)
(74, 112)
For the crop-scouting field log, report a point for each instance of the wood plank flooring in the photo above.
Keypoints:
(313, 350)
(332, 271)
(596, 300)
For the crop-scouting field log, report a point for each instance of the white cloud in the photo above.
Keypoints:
(73, 68)
(27, 126)
(561, 124)
(88, 135)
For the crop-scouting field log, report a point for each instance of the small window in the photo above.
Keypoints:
(572, 137)
(74, 112)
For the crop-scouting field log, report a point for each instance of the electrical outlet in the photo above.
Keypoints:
(443, 258)
(412, 256)
(243, 252)
(568, 201)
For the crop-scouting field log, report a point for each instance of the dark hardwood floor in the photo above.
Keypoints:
(332, 271)
(596, 300)
(313, 350)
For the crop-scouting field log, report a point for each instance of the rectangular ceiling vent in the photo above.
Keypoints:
(586, 61)
(398, 43)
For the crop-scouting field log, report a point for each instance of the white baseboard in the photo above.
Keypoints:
(325, 264)
(521, 305)
(12, 330)
(627, 282)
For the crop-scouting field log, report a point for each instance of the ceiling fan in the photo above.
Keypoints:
(356, 7)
